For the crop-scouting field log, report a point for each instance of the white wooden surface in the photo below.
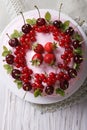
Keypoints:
(15, 114)
(20, 115)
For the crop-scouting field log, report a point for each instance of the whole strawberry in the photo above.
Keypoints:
(37, 59)
(38, 48)
(50, 59)
(50, 47)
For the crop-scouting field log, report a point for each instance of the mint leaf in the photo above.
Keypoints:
(48, 16)
(16, 34)
(5, 48)
(77, 36)
(31, 21)
(5, 51)
(19, 83)
(37, 93)
(60, 91)
(8, 68)
(65, 25)
(76, 66)
(78, 51)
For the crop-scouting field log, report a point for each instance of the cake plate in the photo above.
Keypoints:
(7, 81)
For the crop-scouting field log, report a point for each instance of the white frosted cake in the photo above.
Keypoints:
(43, 55)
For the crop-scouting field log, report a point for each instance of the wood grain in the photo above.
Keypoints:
(20, 115)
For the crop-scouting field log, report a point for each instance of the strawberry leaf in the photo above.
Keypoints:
(48, 16)
(16, 34)
(65, 25)
(55, 45)
(19, 83)
(37, 93)
(34, 46)
(36, 62)
(8, 68)
(60, 91)
(31, 21)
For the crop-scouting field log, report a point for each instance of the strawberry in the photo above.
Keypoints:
(49, 59)
(37, 59)
(38, 48)
(50, 47)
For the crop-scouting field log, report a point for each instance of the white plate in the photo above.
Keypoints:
(7, 81)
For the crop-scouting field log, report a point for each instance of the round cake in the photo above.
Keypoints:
(44, 55)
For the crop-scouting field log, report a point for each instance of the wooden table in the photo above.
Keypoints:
(16, 114)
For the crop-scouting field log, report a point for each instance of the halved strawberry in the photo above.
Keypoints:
(50, 59)
(37, 59)
(38, 48)
(50, 47)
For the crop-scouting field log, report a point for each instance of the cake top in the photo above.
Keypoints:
(44, 56)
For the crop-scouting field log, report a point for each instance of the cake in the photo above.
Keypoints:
(45, 57)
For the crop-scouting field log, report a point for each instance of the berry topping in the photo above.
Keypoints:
(13, 42)
(10, 59)
(64, 84)
(26, 28)
(69, 31)
(16, 74)
(50, 59)
(76, 44)
(78, 59)
(27, 86)
(38, 48)
(40, 21)
(50, 47)
(49, 90)
(57, 24)
(72, 73)
(37, 59)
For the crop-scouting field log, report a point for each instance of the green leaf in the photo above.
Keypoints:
(5, 48)
(19, 83)
(31, 21)
(8, 68)
(78, 51)
(76, 66)
(5, 51)
(77, 36)
(65, 25)
(16, 34)
(60, 91)
(37, 93)
(48, 16)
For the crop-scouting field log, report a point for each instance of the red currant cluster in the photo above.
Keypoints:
(28, 38)
(26, 74)
(20, 52)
